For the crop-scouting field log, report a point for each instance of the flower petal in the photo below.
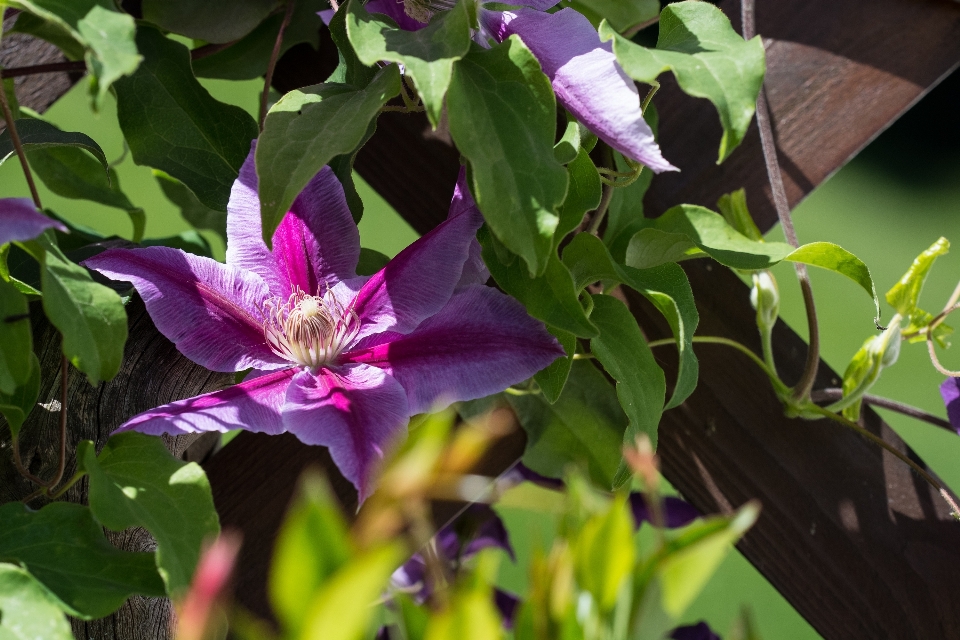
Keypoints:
(316, 245)
(950, 391)
(474, 269)
(420, 280)
(355, 411)
(586, 77)
(211, 311)
(252, 405)
(699, 631)
(22, 221)
(480, 343)
(394, 10)
(676, 512)
(507, 603)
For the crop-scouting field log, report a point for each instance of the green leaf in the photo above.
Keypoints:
(16, 338)
(623, 352)
(111, 53)
(189, 241)
(203, 20)
(371, 261)
(568, 147)
(604, 553)
(71, 173)
(550, 297)
(412, 619)
(427, 55)
(342, 167)
(583, 194)
(625, 213)
(312, 546)
(733, 208)
(16, 406)
(470, 613)
(53, 32)
(502, 115)
(172, 123)
(709, 59)
(199, 215)
(247, 59)
(832, 257)
(343, 607)
(552, 379)
(905, 295)
(64, 548)
(90, 316)
(39, 134)
(27, 610)
(307, 129)
(585, 426)
(665, 286)
(694, 555)
(135, 482)
(876, 354)
(623, 15)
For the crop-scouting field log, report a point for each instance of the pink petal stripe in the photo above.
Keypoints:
(20, 220)
(316, 244)
(480, 343)
(586, 77)
(211, 311)
(252, 405)
(419, 281)
(355, 411)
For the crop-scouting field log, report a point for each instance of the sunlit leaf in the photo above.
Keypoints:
(502, 114)
(709, 59)
(623, 15)
(604, 553)
(733, 208)
(135, 482)
(905, 295)
(64, 548)
(17, 405)
(27, 610)
(427, 55)
(112, 52)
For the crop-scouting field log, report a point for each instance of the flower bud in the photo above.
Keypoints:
(765, 298)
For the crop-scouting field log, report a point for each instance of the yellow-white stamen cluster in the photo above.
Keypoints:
(423, 10)
(309, 330)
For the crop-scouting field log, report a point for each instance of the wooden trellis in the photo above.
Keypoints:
(860, 546)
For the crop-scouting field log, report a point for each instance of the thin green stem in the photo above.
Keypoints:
(77, 477)
(268, 78)
(853, 426)
(778, 384)
(601, 211)
(935, 360)
(835, 393)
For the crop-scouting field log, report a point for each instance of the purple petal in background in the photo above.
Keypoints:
(420, 280)
(394, 10)
(355, 411)
(480, 343)
(508, 604)
(482, 528)
(676, 512)
(317, 241)
(586, 77)
(950, 390)
(699, 631)
(474, 270)
(211, 311)
(20, 220)
(252, 405)
(521, 473)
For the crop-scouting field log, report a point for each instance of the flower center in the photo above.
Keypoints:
(309, 330)
(423, 10)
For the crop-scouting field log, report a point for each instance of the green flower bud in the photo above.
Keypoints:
(765, 298)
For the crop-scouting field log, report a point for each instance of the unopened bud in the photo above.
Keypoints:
(765, 298)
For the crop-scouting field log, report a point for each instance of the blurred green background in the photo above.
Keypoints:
(886, 206)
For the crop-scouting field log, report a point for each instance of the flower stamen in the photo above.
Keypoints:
(309, 330)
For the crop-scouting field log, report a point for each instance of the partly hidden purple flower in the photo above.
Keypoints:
(22, 221)
(586, 77)
(338, 360)
(699, 631)
(950, 390)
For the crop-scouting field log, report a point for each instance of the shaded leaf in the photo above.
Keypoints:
(552, 379)
(172, 123)
(427, 55)
(604, 553)
(64, 548)
(585, 426)
(39, 134)
(16, 338)
(27, 610)
(624, 354)
(709, 59)
(733, 208)
(623, 15)
(136, 482)
(189, 241)
(349, 70)
(568, 147)
(199, 215)
(53, 32)
(550, 297)
(203, 20)
(90, 316)
(583, 194)
(371, 261)
(307, 129)
(502, 114)
(16, 406)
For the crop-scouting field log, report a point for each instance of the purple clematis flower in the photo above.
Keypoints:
(699, 631)
(22, 221)
(339, 360)
(586, 77)
(950, 391)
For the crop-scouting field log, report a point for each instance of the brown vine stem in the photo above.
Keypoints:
(853, 426)
(15, 138)
(835, 393)
(802, 391)
(268, 78)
